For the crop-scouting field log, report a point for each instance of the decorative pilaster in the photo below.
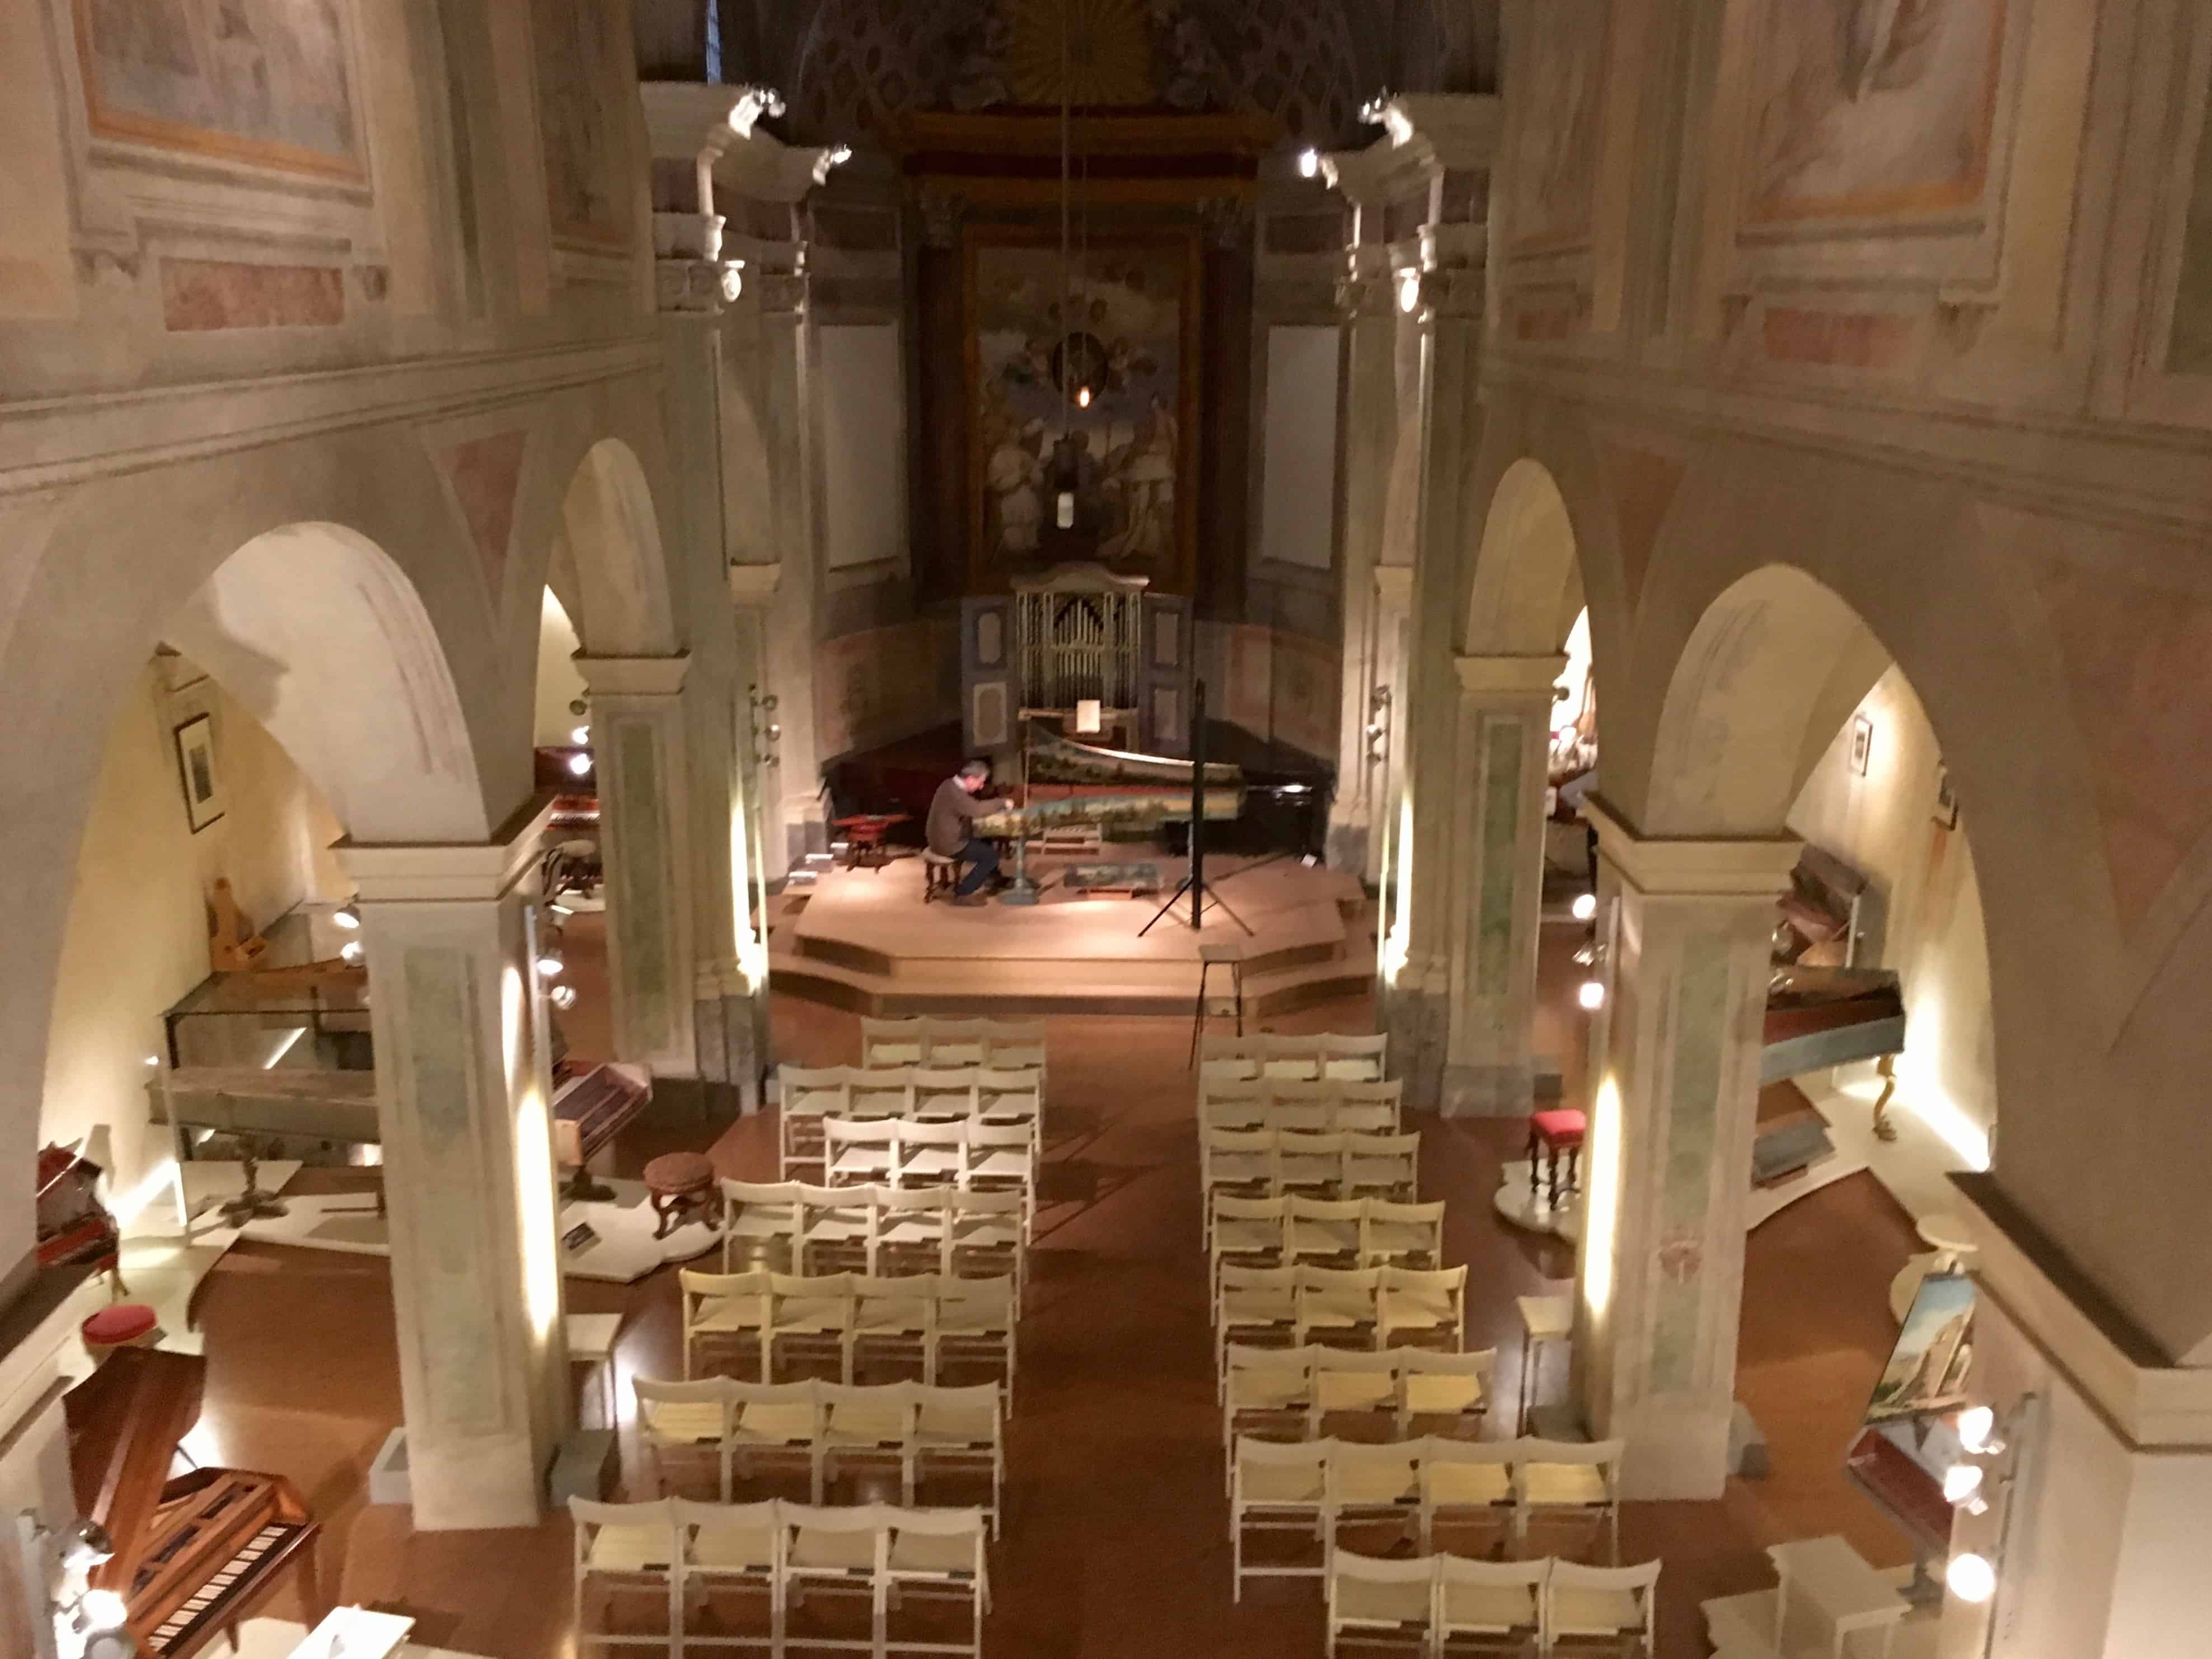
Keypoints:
(463, 1098)
(1505, 728)
(1689, 928)
(793, 620)
(639, 740)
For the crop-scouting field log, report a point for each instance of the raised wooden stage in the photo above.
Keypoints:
(863, 939)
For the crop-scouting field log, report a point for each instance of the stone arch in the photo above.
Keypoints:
(610, 569)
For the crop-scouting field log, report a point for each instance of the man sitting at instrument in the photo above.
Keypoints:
(958, 801)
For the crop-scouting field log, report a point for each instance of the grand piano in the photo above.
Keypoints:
(198, 1553)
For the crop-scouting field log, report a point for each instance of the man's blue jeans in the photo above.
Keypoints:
(982, 859)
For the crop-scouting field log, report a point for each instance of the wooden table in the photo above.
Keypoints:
(1835, 1579)
(864, 837)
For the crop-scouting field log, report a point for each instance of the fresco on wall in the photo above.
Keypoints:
(885, 682)
(1122, 327)
(1554, 176)
(1872, 108)
(267, 81)
(582, 51)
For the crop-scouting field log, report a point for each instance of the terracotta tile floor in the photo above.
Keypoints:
(1115, 1539)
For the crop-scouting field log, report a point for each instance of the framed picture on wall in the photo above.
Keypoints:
(1947, 799)
(196, 768)
(1862, 742)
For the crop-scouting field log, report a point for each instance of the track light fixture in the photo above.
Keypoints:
(347, 915)
(579, 763)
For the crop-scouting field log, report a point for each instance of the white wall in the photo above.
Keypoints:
(559, 684)
(137, 938)
(1297, 493)
(863, 477)
(1925, 910)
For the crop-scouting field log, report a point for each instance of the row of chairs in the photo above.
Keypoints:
(855, 1321)
(739, 1430)
(975, 1095)
(1433, 1606)
(1303, 1389)
(881, 1231)
(904, 1152)
(1369, 1308)
(727, 1578)
(1364, 1232)
(1267, 1162)
(1313, 1489)
(1315, 1108)
(931, 1040)
(1329, 1055)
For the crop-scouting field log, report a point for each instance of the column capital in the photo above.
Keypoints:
(1681, 867)
(1527, 676)
(632, 676)
(398, 873)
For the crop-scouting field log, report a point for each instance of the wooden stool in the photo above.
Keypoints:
(1552, 1133)
(1227, 954)
(940, 875)
(124, 1325)
(678, 1183)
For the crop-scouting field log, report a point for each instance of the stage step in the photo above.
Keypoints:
(1058, 988)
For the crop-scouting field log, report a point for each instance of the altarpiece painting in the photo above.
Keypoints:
(1121, 326)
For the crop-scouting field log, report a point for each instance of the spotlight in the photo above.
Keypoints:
(1586, 954)
(579, 763)
(1309, 162)
(1977, 1428)
(1970, 1576)
(577, 705)
(347, 915)
(1083, 397)
(1585, 906)
(1591, 995)
(549, 963)
(582, 734)
(1409, 291)
(562, 996)
(1962, 1484)
(153, 1059)
(350, 950)
(1063, 510)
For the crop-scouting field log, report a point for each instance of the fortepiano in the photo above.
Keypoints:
(196, 1555)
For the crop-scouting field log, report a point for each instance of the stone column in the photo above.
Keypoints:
(1505, 728)
(794, 607)
(1688, 930)
(638, 740)
(1368, 425)
(462, 1102)
(1450, 313)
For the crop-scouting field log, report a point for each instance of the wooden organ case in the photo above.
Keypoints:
(1080, 633)
(194, 1555)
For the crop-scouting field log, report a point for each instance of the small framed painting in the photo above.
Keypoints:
(196, 768)
(1947, 799)
(1862, 742)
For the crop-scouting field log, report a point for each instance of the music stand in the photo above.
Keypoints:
(1201, 893)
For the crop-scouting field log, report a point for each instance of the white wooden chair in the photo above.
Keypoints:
(1350, 1383)
(724, 1309)
(1301, 1108)
(1290, 1059)
(1312, 1165)
(1277, 1489)
(1369, 1108)
(962, 1432)
(1008, 1094)
(987, 1237)
(1003, 1158)
(945, 1093)
(1423, 1308)
(893, 1043)
(868, 1428)
(1265, 1389)
(836, 1228)
(685, 1427)
(974, 1322)
(623, 1552)
(725, 1550)
(937, 1558)
(933, 1154)
(1374, 1484)
(892, 1323)
(1452, 1389)
(861, 1151)
(840, 1554)
(1572, 1481)
(1403, 1235)
(883, 1094)
(1489, 1607)
(809, 1318)
(760, 1218)
(1340, 1306)
(1247, 1232)
(1254, 1305)
(1236, 1163)
(1382, 1166)
(911, 1228)
(1353, 1058)
(1470, 1484)
(1607, 1610)
(1327, 1230)
(777, 1424)
(1381, 1605)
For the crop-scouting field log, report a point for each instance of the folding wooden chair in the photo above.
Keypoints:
(861, 1151)
(1350, 1383)
(1442, 1393)
(1608, 1610)
(809, 1319)
(937, 1557)
(760, 1219)
(723, 1310)
(1340, 1306)
(1403, 1235)
(1267, 1394)
(724, 1550)
(776, 1425)
(892, 1323)
(623, 1552)
(1423, 1308)
(1255, 1305)
(962, 1431)
(836, 1228)
(1572, 1480)
(1489, 1607)
(1469, 1484)
(1383, 1166)
(975, 1322)
(869, 1428)
(1381, 1604)
(685, 1426)
(840, 1554)
(1277, 1490)
(1374, 1485)
(1326, 1231)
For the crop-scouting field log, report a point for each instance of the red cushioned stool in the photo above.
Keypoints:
(124, 1325)
(678, 1183)
(1552, 1133)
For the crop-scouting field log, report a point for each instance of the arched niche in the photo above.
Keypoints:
(608, 568)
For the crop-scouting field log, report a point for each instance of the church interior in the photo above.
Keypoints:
(1087, 828)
